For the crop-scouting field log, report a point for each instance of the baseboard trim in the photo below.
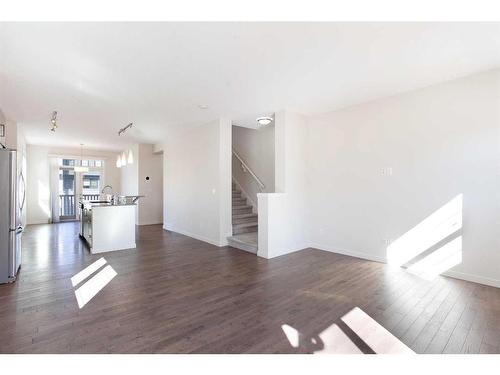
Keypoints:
(473, 278)
(355, 254)
(454, 274)
(195, 236)
(295, 249)
(150, 223)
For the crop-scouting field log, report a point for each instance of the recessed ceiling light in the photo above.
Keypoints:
(264, 120)
(202, 106)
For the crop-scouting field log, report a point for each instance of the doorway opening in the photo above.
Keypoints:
(75, 186)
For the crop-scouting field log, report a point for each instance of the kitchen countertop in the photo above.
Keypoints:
(96, 204)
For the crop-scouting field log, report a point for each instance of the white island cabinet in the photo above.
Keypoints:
(108, 227)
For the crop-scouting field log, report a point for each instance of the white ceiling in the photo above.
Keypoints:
(101, 76)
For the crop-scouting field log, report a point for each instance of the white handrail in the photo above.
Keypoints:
(246, 168)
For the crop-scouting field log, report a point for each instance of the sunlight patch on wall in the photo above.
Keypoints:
(44, 198)
(435, 228)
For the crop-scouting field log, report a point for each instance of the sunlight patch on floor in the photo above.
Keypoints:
(380, 340)
(333, 339)
(439, 261)
(82, 275)
(91, 287)
(88, 290)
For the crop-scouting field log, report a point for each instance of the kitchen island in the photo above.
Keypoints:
(108, 227)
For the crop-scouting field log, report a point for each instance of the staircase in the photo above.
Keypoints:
(245, 224)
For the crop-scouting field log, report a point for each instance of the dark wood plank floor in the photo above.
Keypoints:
(174, 294)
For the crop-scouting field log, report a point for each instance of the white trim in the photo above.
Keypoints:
(294, 250)
(473, 278)
(195, 236)
(355, 254)
(247, 196)
(150, 223)
(454, 274)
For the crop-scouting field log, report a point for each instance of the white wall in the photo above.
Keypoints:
(38, 208)
(150, 165)
(440, 142)
(197, 170)
(256, 148)
(282, 216)
(129, 174)
(10, 133)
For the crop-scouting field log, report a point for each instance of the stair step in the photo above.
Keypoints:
(242, 207)
(244, 218)
(245, 228)
(246, 225)
(238, 211)
(239, 201)
(240, 242)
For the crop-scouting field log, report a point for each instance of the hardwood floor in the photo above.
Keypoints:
(174, 294)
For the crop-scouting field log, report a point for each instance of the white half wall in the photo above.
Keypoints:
(197, 188)
(377, 170)
(282, 219)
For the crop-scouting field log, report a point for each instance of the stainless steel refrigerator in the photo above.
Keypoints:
(11, 227)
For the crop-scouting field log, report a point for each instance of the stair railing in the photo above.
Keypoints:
(245, 168)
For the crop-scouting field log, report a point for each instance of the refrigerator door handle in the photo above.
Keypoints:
(23, 182)
(13, 190)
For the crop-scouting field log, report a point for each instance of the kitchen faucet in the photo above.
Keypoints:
(107, 186)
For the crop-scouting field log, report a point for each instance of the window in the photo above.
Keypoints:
(91, 183)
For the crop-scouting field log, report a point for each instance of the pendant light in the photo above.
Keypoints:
(118, 161)
(124, 159)
(130, 157)
(81, 168)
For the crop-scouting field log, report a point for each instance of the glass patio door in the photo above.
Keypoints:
(67, 190)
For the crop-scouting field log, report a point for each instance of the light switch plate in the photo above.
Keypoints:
(387, 171)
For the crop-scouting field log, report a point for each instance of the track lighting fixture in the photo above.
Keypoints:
(53, 121)
(122, 130)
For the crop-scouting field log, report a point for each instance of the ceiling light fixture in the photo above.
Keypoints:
(123, 159)
(53, 121)
(263, 121)
(124, 129)
(118, 161)
(130, 157)
(81, 168)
